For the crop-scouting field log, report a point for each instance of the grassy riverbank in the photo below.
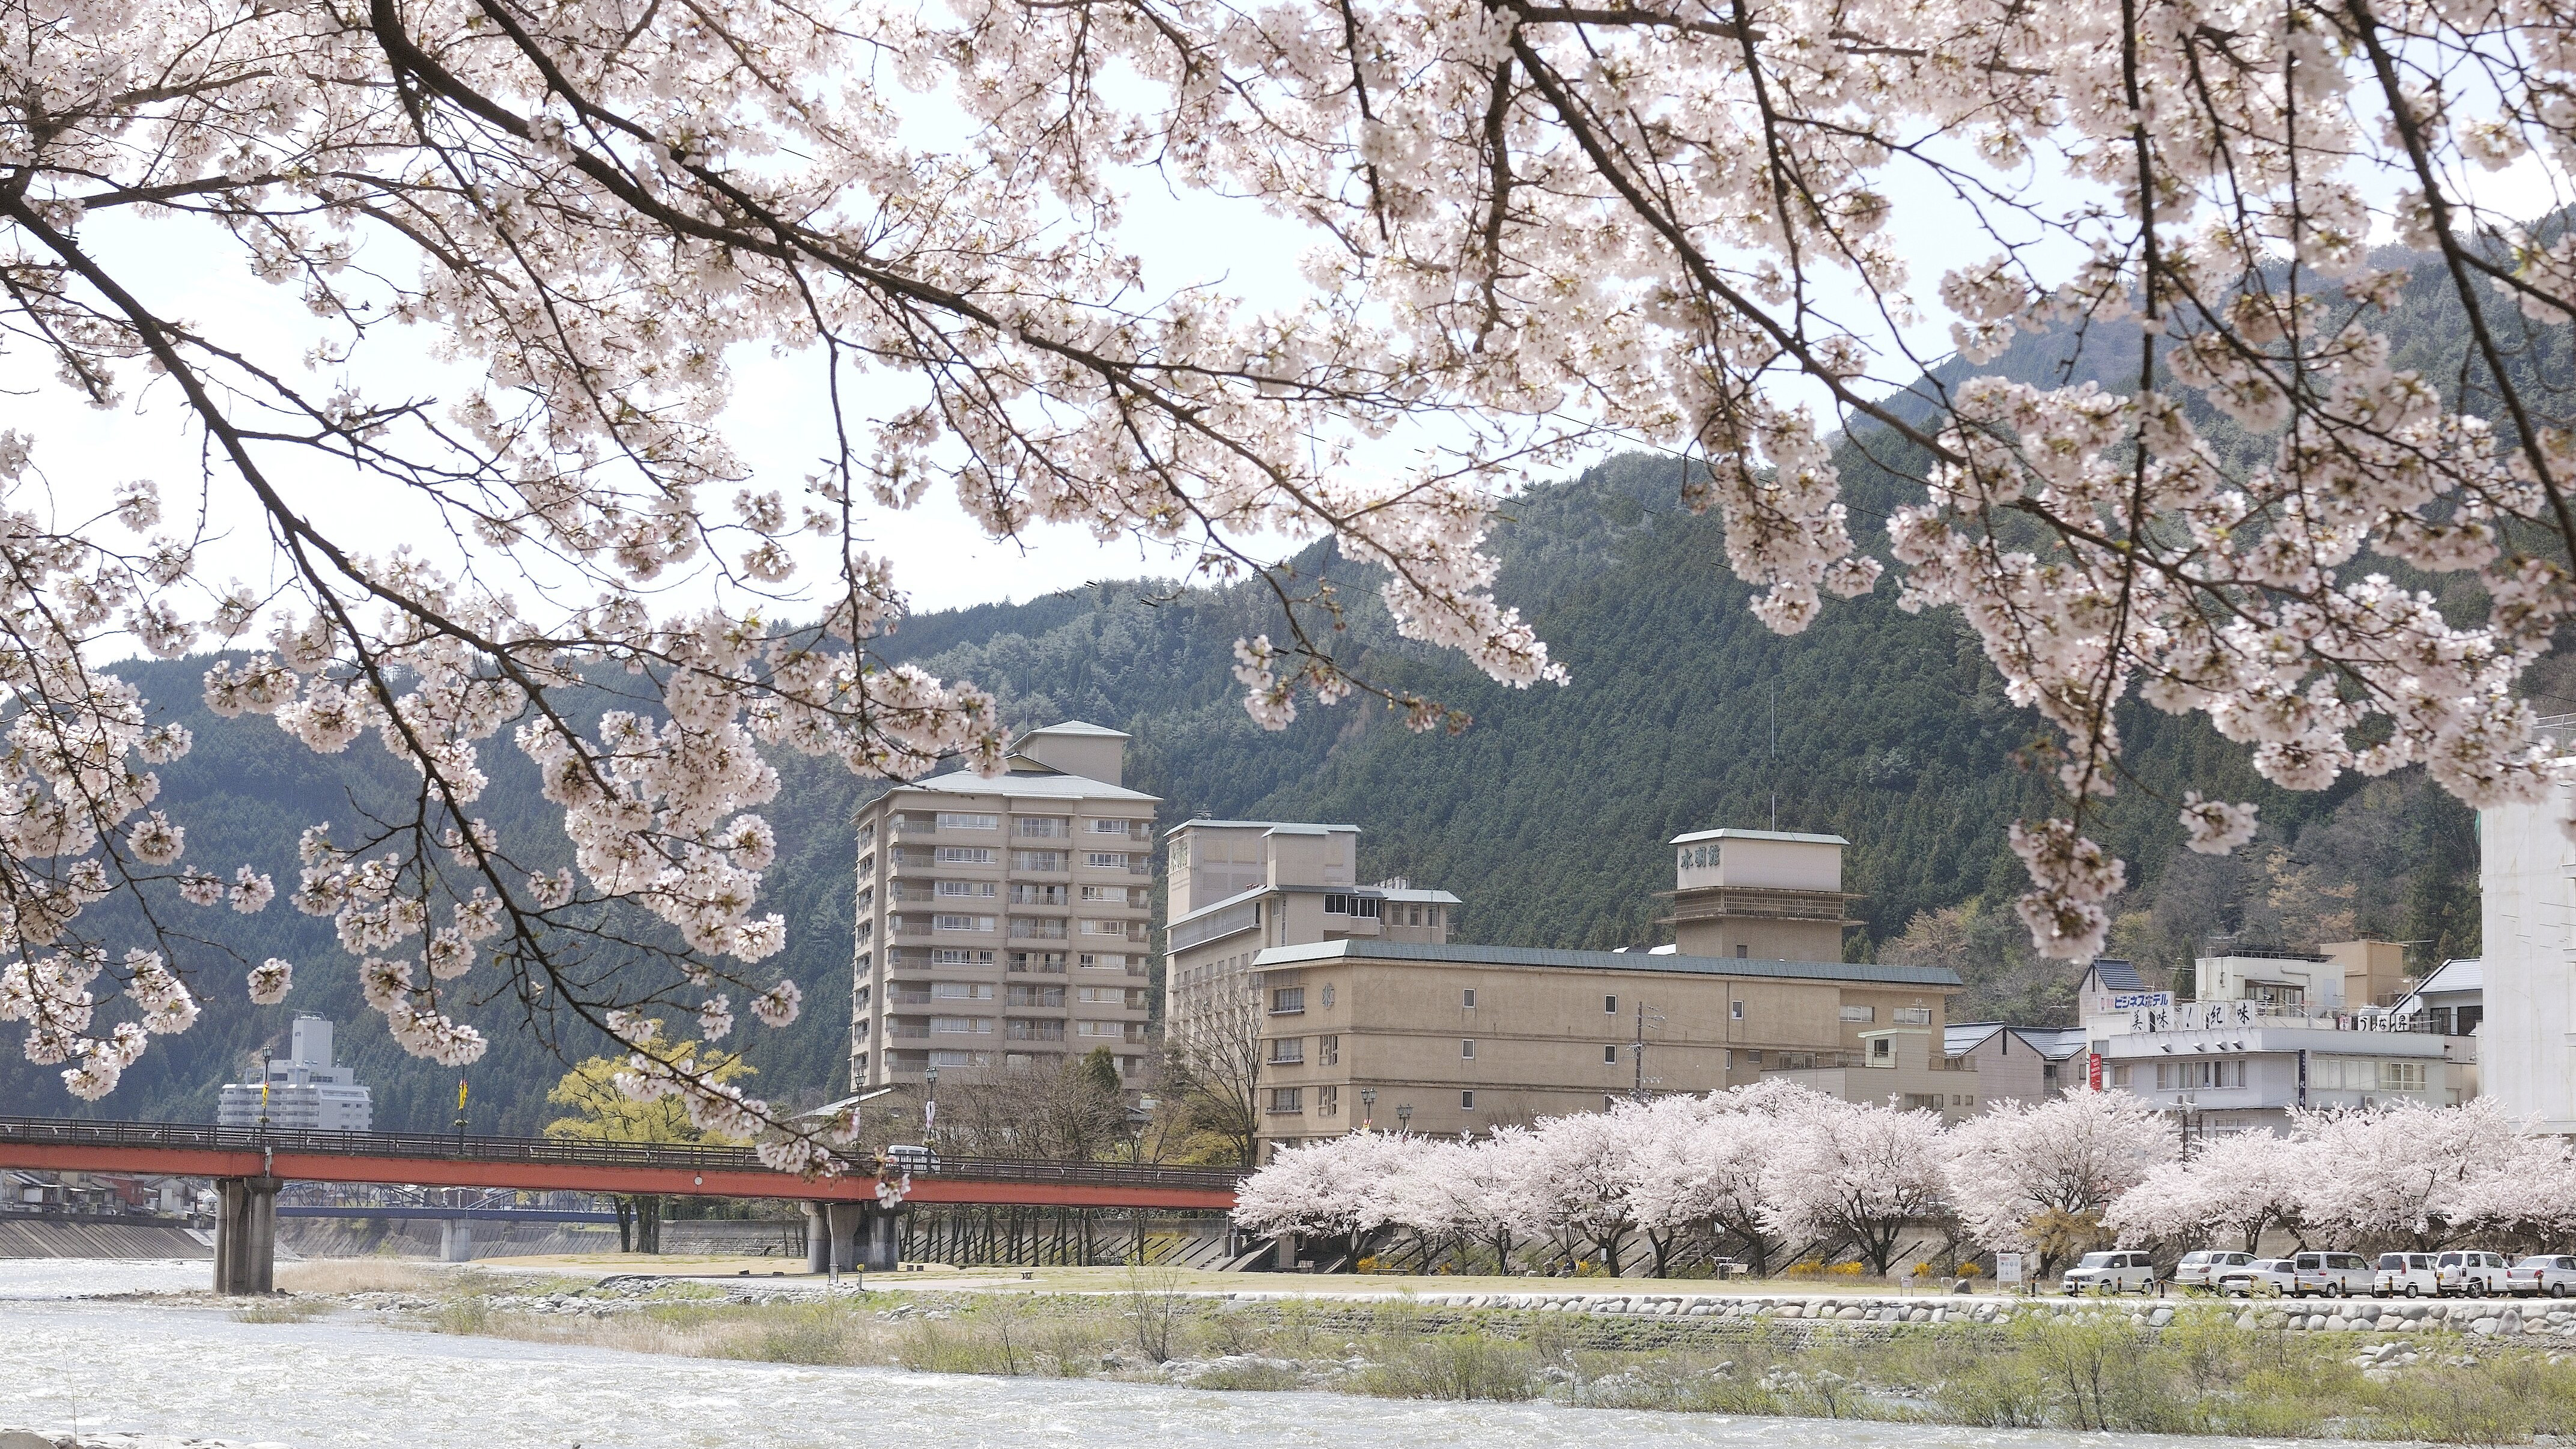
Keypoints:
(2200, 1375)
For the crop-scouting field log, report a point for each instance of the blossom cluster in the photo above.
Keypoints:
(1768, 1167)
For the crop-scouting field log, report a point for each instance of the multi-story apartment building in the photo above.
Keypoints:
(1238, 886)
(2527, 927)
(305, 1089)
(1003, 922)
(1447, 1038)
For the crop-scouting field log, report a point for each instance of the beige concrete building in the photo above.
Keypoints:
(1237, 887)
(1461, 1039)
(1003, 922)
(2016, 1063)
(1758, 894)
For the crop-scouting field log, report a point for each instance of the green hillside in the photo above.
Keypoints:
(1548, 817)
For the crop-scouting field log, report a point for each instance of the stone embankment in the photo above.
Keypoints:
(2493, 1318)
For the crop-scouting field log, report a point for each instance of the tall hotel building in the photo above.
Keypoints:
(1002, 923)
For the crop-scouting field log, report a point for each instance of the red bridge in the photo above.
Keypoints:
(249, 1163)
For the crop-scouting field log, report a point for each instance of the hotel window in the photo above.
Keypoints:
(962, 1025)
(1882, 1049)
(965, 855)
(1413, 915)
(1045, 827)
(961, 991)
(1037, 860)
(1109, 827)
(954, 820)
(1466, 1101)
(1911, 1016)
(959, 956)
(1610, 1055)
(1328, 1101)
(1287, 1001)
(2120, 1075)
(961, 923)
(1742, 951)
(1287, 1051)
(1328, 1051)
(2401, 1076)
(1860, 1013)
(1735, 1009)
(1097, 1028)
(1105, 859)
(1610, 1004)
(1287, 1099)
(1467, 1047)
(982, 888)
(1467, 999)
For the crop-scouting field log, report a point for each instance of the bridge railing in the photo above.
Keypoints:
(449, 1147)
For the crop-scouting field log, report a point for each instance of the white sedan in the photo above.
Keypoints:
(2550, 1273)
(2262, 1278)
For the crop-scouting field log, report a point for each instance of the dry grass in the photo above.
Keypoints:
(357, 1275)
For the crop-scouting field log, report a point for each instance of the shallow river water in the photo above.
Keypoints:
(106, 1366)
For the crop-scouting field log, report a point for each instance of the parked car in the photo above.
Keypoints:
(911, 1157)
(2262, 1278)
(2112, 1273)
(2336, 1275)
(2469, 1273)
(2410, 1274)
(2550, 1273)
(2204, 1269)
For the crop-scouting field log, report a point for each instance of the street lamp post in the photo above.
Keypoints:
(930, 1108)
(1368, 1108)
(2188, 1112)
(1403, 1116)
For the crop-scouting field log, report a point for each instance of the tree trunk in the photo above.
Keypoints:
(648, 1225)
(625, 1223)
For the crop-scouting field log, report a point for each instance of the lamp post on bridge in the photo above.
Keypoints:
(1403, 1118)
(1368, 1109)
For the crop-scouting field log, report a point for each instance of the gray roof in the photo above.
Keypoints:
(2119, 975)
(2453, 977)
(1030, 785)
(1463, 955)
(1758, 835)
(1374, 892)
(1079, 727)
(2056, 1043)
(1258, 825)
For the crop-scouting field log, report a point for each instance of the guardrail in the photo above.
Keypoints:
(69, 1132)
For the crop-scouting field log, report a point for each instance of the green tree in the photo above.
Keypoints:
(602, 1112)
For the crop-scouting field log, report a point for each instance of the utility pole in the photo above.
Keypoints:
(1638, 1050)
(1773, 754)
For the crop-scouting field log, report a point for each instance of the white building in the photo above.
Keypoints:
(304, 1090)
(2269, 1033)
(2527, 917)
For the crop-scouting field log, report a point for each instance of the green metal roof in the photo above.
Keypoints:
(1462, 955)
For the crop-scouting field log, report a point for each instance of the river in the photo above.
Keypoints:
(102, 1365)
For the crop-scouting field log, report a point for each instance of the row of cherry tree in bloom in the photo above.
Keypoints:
(1777, 1173)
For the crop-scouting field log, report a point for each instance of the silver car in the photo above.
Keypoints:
(2550, 1273)
(2262, 1278)
(2204, 1269)
(2336, 1275)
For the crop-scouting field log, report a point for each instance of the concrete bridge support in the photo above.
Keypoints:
(456, 1241)
(880, 1237)
(246, 1235)
(848, 1237)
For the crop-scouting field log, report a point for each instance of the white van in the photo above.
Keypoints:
(2112, 1273)
(2336, 1275)
(2467, 1273)
(2411, 1274)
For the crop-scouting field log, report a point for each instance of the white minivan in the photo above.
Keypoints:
(2411, 1274)
(2471, 1274)
(2112, 1273)
(2336, 1275)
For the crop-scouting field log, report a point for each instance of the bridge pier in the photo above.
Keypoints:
(456, 1241)
(879, 1237)
(246, 1235)
(818, 1238)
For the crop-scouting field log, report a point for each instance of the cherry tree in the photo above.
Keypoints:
(1337, 1187)
(2035, 1176)
(1578, 1176)
(2402, 1173)
(1538, 228)
(2239, 1185)
(1856, 1172)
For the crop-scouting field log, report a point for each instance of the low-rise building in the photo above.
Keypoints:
(2017, 1063)
(2452, 1000)
(305, 1089)
(1236, 887)
(1458, 1039)
(2268, 1033)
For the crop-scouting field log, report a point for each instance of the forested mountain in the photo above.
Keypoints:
(1548, 816)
